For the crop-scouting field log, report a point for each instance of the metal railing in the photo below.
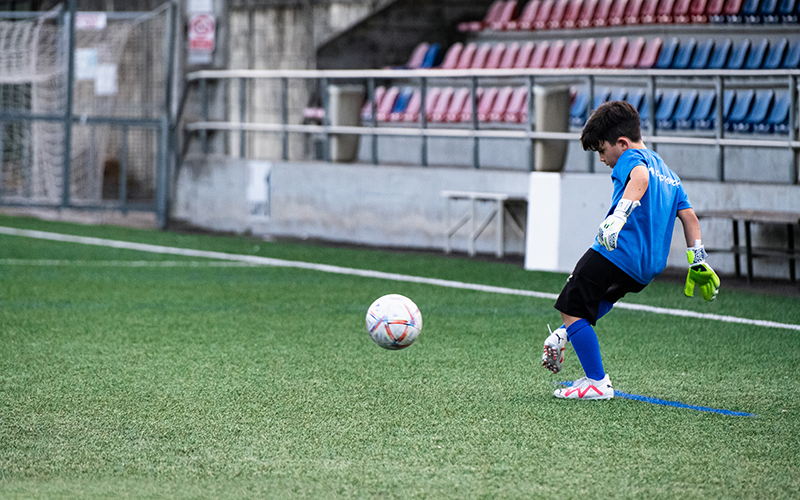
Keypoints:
(652, 80)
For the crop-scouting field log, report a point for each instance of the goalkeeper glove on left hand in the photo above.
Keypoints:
(608, 233)
(700, 274)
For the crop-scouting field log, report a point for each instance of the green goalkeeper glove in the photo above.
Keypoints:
(700, 274)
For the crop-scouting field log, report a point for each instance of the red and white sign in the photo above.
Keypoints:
(201, 33)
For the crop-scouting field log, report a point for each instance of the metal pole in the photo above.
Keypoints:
(204, 98)
(123, 171)
(423, 120)
(589, 110)
(169, 99)
(65, 193)
(326, 119)
(651, 108)
(793, 127)
(373, 121)
(720, 127)
(161, 194)
(531, 124)
(476, 160)
(284, 118)
(243, 116)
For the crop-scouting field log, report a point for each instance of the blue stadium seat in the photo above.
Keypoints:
(719, 58)
(431, 56)
(618, 94)
(775, 56)
(759, 113)
(769, 12)
(742, 108)
(684, 54)
(635, 98)
(702, 55)
(778, 119)
(667, 54)
(401, 103)
(666, 109)
(739, 55)
(704, 116)
(644, 109)
(757, 53)
(792, 59)
(749, 12)
(701, 108)
(685, 107)
(788, 11)
(577, 114)
(601, 96)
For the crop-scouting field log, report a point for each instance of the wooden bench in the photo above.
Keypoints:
(790, 219)
(499, 206)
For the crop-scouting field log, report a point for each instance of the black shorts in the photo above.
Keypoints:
(594, 280)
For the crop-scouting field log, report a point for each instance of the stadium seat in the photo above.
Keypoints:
(577, 113)
(701, 108)
(680, 13)
(684, 54)
(618, 94)
(431, 58)
(366, 111)
(505, 16)
(570, 19)
(586, 17)
(697, 11)
(757, 54)
(431, 98)
(650, 54)
(616, 53)
(666, 109)
(719, 57)
(543, 15)
(451, 56)
(649, 12)
(417, 56)
(768, 12)
(488, 102)
(509, 56)
(702, 54)
(439, 112)
(633, 11)
(584, 56)
(616, 16)
(460, 99)
(601, 12)
(792, 59)
(553, 55)
(635, 98)
(788, 11)
(569, 54)
(481, 56)
(714, 11)
(667, 54)
(400, 104)
(524, 56)
(467, 55)
(387, 104)
(750, 11)
(600, 53)
(685, 108)
(742, 107)
(709, 120)
(493, 14)
(526, 17)
(539, 55)
(644, 109)
(775, 55)
(739, 55)
(499, 106)
(778, 120)
(601, 95)
(733, 11)
(557, 14)
(413, 107)
(634, 53)
(762, 106)
(664, 12)
(495, 56)
(518, 103)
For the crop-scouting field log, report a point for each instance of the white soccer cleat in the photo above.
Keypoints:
(554, 347)
(587, 388)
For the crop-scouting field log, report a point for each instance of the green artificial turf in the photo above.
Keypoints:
(260, 382)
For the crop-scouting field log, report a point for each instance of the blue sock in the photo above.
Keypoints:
(605, 306)
(584, 341)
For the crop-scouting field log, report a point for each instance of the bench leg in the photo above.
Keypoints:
(736, 257)
(790, 233)
(749, 249)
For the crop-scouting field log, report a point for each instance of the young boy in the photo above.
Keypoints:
(631, 247)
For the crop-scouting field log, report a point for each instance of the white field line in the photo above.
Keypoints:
(266, 261)
(122, 263)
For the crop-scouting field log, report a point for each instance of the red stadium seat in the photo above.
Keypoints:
(491, 15)
(648, 13)
(539, 55)
(442, 105)
(664, 12)
(571, 15)
(495, 56)
(366, 111)
(481, 56)
(569, 54)
(460, 98)
(506, 15)
(518, 102)
(680, 12)
(414, 108)
(697, 11)
(465, 60)
(633, 11)
(466, 112)
(417, 56)
(600, 53)
(509, 56)
(617, 53)
(387, 103)
(616, 16)
(499, 107)
(543, 16)
(554, 55)
(487, 102)
(401, 105)
(731, 11)
(584, 56)
(452, 55)
(714, 10)
(524, 56)
(650, 54)
(586, 17)
(634, 53)
(557, 14)
(601, 12)
(527, 17)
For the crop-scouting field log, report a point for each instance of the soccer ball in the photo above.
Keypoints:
(393, 321)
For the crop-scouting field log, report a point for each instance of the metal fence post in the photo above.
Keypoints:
(793, 127)
(719, 129)
(531, 125)
(423, 120)
(476, 152)
(589, 110)
(326, 119)
(284, 118)
(68, 114)
(373, 121)
(242, 117)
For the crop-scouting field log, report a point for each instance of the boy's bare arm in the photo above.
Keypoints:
(637, 183)
(691, 226)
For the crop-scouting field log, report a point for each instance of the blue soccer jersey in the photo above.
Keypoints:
(643, 244)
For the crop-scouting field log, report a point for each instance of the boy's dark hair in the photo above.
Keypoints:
(609, 122)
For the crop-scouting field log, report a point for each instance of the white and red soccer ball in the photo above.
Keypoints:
(393, 321)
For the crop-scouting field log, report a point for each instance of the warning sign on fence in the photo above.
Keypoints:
(202, 28)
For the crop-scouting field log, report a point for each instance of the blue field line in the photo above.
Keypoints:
(675, 404)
